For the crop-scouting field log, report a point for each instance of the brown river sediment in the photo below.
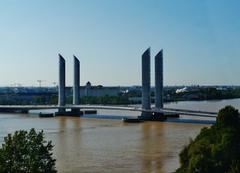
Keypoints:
(89, 145)
(94, 145)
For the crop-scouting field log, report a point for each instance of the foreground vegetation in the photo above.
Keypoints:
(215, 149)
(26, 152)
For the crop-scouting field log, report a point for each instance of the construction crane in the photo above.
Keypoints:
(40, 82)
(54, 84)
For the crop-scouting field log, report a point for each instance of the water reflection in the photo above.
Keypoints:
(151, 157)
(67, 142)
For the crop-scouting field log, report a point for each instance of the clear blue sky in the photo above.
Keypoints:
(200, 39)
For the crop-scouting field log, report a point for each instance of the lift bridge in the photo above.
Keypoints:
(146, 111)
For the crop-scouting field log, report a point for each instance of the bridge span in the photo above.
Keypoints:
(27, 108)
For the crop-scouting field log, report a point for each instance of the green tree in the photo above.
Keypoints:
(215, 149)
(26, 152)
(228, 116)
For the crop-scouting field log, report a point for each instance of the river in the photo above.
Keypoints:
(92, 145)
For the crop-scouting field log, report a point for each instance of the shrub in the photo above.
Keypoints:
(215, 149)
(26, 152)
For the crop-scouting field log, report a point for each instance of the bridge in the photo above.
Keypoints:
(147, 112)
(26, 108)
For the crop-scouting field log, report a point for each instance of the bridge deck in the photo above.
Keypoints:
(124, 108)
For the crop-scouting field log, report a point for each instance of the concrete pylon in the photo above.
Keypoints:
(76, 81)
(146, 83)
(62, 83)
(159, 80)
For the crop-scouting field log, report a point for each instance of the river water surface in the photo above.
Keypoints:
(92, 145)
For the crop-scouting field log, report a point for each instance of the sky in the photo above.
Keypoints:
(200, 40)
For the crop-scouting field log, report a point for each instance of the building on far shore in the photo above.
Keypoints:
(90, 90)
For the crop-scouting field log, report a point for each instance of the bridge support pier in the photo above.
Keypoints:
(146, 84)
(76, 112)
(72, 113)
(76, 81)
(76, 85)
(159, 80)
(61, 85)
(24, 111)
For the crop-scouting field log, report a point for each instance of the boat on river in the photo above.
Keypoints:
(132, 120)
(46, 115)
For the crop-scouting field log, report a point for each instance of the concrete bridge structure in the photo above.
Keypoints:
(153, 112)
(147, 113)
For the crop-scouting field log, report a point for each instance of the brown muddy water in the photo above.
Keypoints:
(89, 145)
